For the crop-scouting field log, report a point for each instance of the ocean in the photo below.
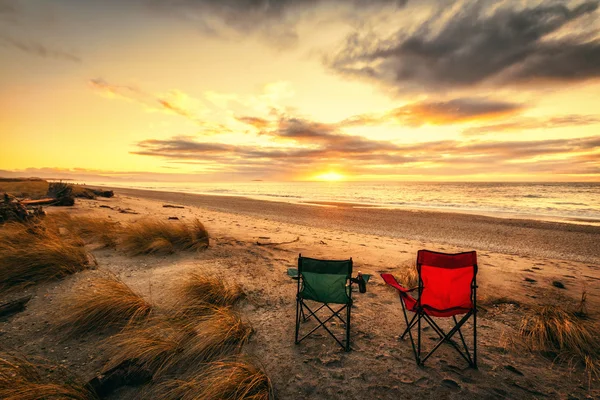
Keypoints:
(571, 201)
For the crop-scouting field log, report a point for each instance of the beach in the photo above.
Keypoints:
(253, 243)
(526, 237)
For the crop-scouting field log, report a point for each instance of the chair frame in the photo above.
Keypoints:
(302, 317)
(420, 314)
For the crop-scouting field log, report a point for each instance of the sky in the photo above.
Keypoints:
(287, 90)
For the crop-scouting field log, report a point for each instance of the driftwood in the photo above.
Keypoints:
(14, 306)
(12, 209)
(128, 373)
(103, 193)
(172, 206)
(39, 202)
(275, 244)
(62, 193)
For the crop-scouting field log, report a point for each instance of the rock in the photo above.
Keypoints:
(513, 370)
(449, 383)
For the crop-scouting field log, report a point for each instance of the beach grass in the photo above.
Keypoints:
(97, 230)
(26, 188)
(107, 303)
(31, 253)
(559, 333)
(408, 276)
(154, 345)
(201, 289)
(216, 334)
(161, 237)
(24, 379)
(234, 379)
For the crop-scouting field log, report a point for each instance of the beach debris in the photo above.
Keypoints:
(172, 206)
(103, 193)
(127, 211)
(128, 373)
(14, 306)
(12, 209)
(88, 193)
(277, 243)
(174, 218)
(558, 284)
(62, 193)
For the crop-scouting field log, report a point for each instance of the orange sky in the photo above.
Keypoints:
(196, 90)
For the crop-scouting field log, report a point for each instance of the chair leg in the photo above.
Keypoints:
(348, 311)
(447, 338)
(298, 309)
(475, 338)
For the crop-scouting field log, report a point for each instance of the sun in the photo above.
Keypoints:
(330, 176)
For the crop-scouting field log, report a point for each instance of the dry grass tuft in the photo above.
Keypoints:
(91, 229)
(26, 188)
(108, 303)
(21, 379)
(223, 380)
(31, 253)
(408, 276)
(215, 335)
(557, 332)
(199, 289)
(154, 345)
(168, 345)
(161, 237)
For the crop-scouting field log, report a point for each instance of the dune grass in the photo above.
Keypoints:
(91, 229)
(162, 237)
(31, 253)
(223, 380)
(557, 332)
(108, 303)
(201, 289)
(408, 276)
(169, 345)
(26, 188)
(154, 345)
(22, 379)
(215, 335)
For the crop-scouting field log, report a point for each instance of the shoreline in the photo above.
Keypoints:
(530, 238)
(568, 219)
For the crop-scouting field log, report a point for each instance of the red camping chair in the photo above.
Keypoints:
(447, 288)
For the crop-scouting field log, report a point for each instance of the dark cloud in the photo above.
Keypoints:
(476, 45)
(440, 112)
(275, 19)
(38, 49)
(535, 123)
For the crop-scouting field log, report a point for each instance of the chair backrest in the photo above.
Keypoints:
(446, 281)
(324, 280)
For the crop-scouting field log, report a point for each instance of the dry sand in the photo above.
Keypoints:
(380, 365)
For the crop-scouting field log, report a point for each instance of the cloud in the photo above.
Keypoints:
(440, 112)
(274, 20)
(534, 123)
(174, 102)
(317, 145)
(38, 49)
(477, 44)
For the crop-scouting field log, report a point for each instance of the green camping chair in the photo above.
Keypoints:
(327, 282)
